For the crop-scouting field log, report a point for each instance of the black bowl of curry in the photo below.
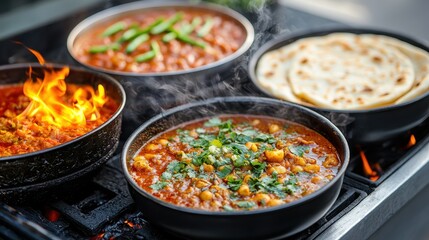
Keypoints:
(235, 167)
(160, 38)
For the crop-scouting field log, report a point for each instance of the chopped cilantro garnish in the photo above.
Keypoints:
(226, 169)
(213, 122)
(299, 150)
(228, 208)
(234, 184)
(159, 185)
(245, 204)
(258, 167)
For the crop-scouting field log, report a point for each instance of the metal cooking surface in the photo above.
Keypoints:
(101, 208)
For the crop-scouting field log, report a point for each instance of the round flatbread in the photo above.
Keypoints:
(344, 72)
(418, 57)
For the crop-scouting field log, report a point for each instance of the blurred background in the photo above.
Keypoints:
(409, 17)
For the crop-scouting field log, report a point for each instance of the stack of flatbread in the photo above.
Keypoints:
(345, 71)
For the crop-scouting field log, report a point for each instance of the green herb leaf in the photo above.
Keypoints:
(227, 169)
(228, 208)
(205, 29)
(159, 185)
(213, 122)
(245, 204)
(299, 150)
(234, 184)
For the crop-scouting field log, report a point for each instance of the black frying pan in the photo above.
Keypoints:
(283, 220)
(360, 126)
(32, 172)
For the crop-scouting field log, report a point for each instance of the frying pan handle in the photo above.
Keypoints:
(16, 223)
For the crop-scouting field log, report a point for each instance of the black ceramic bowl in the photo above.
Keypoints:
(53, 166)
(279, 221)
(359, 126)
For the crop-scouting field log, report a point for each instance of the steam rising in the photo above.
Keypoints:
(152, 95)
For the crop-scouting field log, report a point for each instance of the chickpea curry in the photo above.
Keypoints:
(160, 40)
(235, 162)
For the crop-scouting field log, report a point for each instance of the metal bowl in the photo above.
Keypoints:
(60, 164)
(279, 221)
(359, 126)
(131, 8)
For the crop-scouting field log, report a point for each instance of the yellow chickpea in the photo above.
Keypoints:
(274, 202)
(272, 128)
(208, 168)
(312, 168)
(193, 134)
(244, 190)
(202, 183)
(149, 156)
(163, 142)
(247, 178)
(280, 169)
(141, 163)
(330, 161)
(206, 195)
(261, 197)
(256, 122)
(251, 146)
(274, 155)
(152, 147)
(316, 179)
(296, 169)
(330, 177)
(300, 161)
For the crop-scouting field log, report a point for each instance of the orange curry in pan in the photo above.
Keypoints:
(160, 40)
(235, 162)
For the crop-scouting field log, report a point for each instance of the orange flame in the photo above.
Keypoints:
(48, 102)
(411, 142)
(130, 224)
(98, 237)
(373, 175)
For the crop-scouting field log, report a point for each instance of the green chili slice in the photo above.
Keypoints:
(117, 27)
(205, 29)
(163, 26)
(136, 42)
(145, 56)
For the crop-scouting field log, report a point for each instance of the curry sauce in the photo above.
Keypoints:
(235, 162)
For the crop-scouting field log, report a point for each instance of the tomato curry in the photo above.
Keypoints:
(160, 40)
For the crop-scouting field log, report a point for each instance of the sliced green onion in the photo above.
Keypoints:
(187, 39)
(152, 25)
(163, 26)
(128, 35)
(169, 36)
(98, 49)
(155, 47)
(119, 26)
(136, 42)
(104, 48)
(115, 46)
(205, 29)
(145, 56)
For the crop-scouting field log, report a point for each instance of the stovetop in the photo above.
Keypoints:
(100, 207)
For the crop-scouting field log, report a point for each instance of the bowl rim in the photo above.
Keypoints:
(215, 100)
(286, 39)
(118, 10)
(105, 77)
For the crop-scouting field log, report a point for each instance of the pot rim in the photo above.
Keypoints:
(215, 100)
(286, 39)
(138, 6)
(105, 77)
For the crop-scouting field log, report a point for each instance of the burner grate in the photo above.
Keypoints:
(101, 201)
